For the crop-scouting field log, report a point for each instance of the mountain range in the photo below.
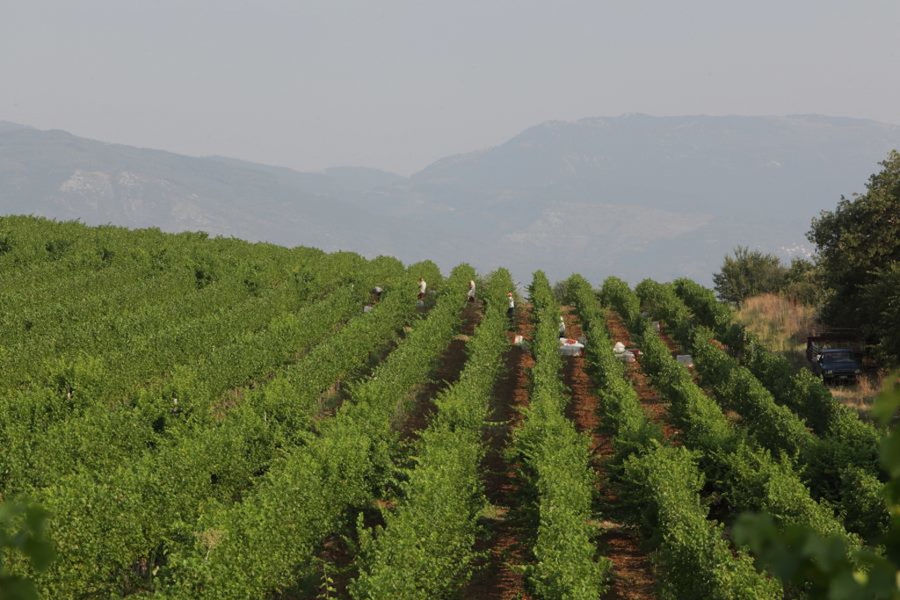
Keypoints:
(636, 196)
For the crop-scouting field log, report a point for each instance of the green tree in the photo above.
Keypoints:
(858, 246)
(880, 299)
(748, 273)
(802, 283)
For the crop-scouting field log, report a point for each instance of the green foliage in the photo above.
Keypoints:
(802, 282)
(665, 485)
(662, 303)
(212, 458)
(128, 457)
(23, 532)
(427, 546)
(621, 410)
(886, 410)
(57, 248)
(198, 415)
(616, 292)
(204, 275)
(797, 389)
(661, 484)
(263, 543)
(824, 565)
(246, 340)
(862, 500)
(818, 565)
(858, 244)
(703, 305)
(774, 426)
(748, 273)
(841, 466)
(744, 475)
(880, 305)
(556, 461)
(410, 557)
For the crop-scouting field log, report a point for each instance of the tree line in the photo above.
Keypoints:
(854, 275)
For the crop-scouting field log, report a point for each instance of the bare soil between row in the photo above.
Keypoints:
(337, 556)
(632, 571)
(499, 576)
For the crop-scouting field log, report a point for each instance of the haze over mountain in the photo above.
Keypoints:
(636, 195)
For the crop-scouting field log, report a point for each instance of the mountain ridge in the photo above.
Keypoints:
(635, 194)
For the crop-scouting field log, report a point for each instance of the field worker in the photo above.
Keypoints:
(511, 311)
(471, 294)
(562, 327)
(376, 294)
(422, 287)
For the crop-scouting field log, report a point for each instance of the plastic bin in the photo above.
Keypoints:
(570, 347)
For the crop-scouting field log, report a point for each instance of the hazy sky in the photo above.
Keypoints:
(397, 84)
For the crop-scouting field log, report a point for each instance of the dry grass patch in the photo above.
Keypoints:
(780, 322)
(859, 396)
(783, 325)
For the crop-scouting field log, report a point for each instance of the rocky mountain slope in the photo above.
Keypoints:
(635, 195)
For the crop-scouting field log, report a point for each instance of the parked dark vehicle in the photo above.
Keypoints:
(836, 364)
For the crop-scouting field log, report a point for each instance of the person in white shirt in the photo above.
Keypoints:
(375, 299)
(471, 295)
(422, 287)
(562, 327)
(511, 311)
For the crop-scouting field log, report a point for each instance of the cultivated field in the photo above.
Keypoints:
(210, 418)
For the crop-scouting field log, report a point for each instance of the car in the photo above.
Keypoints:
(836, 364)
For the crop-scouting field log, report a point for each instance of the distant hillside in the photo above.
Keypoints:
(56, 174)
(635, 195)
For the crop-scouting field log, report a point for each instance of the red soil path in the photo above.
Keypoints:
(497, 577)
(632, 571)
(656, 409)
(673, 347)
(450, 365)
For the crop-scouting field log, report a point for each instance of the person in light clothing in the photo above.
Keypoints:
(375, 299)
(562, 327)
(422, 287)
(471, 295)
(511, 311)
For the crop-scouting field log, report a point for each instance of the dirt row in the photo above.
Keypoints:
(504, 542)
(337, 559)
(655, 407)
(675, 348)
(498, 576)
(632, 571)
(667, 339)
(450, 365)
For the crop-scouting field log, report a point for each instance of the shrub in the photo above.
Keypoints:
(748, 273)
